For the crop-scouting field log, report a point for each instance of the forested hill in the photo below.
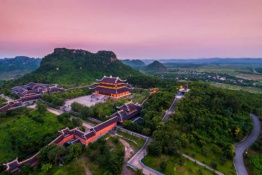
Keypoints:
(214, 115)
(205, 125)
(70, 67)
(156, 66)
(136, 64)
(18, 65)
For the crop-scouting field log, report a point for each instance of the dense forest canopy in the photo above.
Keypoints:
(213, 115)
(207, 121)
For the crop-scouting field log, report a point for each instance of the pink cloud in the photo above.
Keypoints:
(133, 29)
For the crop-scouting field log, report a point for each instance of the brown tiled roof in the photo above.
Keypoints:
(105, 124)
(111, 80)
(111, 91)
(12, 165)
(79, 133)
(32, 91)
(127, 111)
(30, 85)
(89, 135)
(31, 97)
(58, 139)
(5, 108)
(55, 89)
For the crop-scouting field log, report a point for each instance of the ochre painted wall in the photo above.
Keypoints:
(104, 130)
(99, 133)
(66, 140)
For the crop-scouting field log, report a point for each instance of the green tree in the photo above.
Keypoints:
(75, 150)
(45, 168)
(139, 172)
(146, 131)
(43, 155)
(155, 148)
(41, 107)
(163, 166)
(55, 154)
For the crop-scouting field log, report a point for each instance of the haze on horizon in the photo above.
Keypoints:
(148, 29)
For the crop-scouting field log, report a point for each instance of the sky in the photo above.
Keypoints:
(133, 29)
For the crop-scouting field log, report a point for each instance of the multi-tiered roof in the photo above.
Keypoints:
(112, 86)
(127, 111)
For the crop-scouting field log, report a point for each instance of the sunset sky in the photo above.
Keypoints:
(135, 29)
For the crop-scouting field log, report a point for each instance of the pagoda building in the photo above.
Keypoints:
(112, 86)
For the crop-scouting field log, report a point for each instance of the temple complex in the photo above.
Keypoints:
(112, 86)
(29, 94)
(35, 88)
(67, 136)
(70, 136)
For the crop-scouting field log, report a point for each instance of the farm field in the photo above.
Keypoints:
(234, 87)
(250, 76)
(241, 71)
(23, 136)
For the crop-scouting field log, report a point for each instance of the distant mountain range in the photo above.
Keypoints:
(136, 64)
(70, 67)
(18, 66)
(156, 66)
(209, 60)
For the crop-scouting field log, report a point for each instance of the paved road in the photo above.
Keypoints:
(7, 98)
(54, 111)
(136, 161)
(171, 110)
(128, 153)
(242, 146)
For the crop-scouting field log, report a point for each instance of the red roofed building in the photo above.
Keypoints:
(112, 86)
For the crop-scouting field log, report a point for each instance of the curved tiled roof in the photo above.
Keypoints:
(111, 91)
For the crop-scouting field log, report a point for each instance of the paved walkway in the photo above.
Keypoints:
(128, 153)
(243, 145)
(54, 111)
(7, 98)
(136, 160)
(171, 110)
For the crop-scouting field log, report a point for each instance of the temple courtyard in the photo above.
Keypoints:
(88, 100)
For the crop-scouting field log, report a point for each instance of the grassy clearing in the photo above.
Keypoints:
(211, 155)
(253, 158)
(173, 167)
(7, 119)
(250, 76)
(234, 87)
(77, 167)
(139, 97)
(238, 71)
(25, 131)
(140, 142)
(255, 163)
(217, 69)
